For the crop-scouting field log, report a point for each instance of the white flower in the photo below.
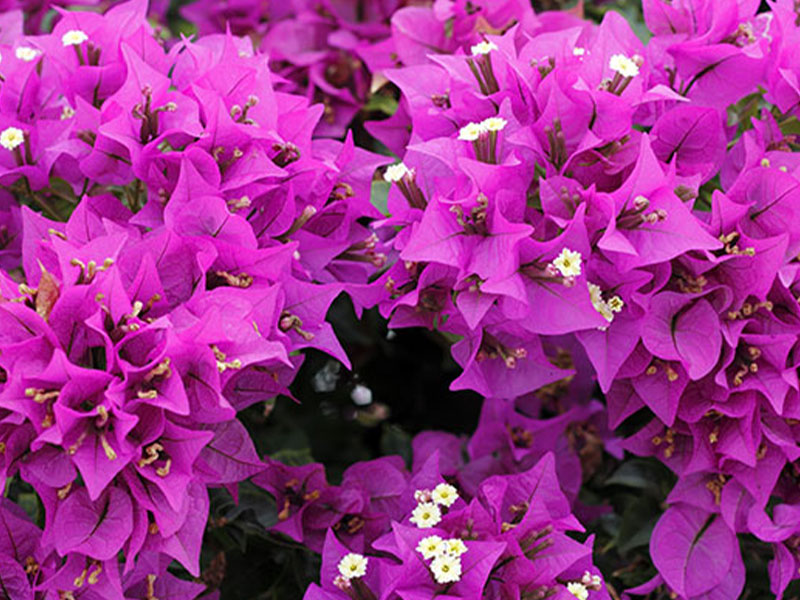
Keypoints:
(577, 51)
(430, 546)
(11, 138)
(446, 568)
(426, 515)
(67, 113)
(568, 263)
(396, 172)
(591, 581)
(422, 496)
(342, 583)
(607, 309)
(444, 494)
(471, 132)
(600, 305)
(26, 53)
(615, 304)
(494, 124)
(353, 565)
(578, 590)
(623, 65)
(361, 395)
(483, 48)
(74, 37)
(454, 547)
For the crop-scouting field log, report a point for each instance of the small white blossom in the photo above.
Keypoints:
(353, 565)
(430, 546)
(342, 583)
(422, 496)
(596, 296)
(444, 494)
(426, 515)
(361, 395)
(591, 581)
(26, 53)
(607, 309)
(577, 51)
(471, 132)
(11, 138)
(74, 37)
(396, 172)
(623, 65)
(568, 263)
(615, 304)
(446, 568)
(67, 113)
(578, 590)
(483, 48)
(494, 124)
(454, 547)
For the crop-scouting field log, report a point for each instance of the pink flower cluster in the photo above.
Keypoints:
(191, 237)
(564, 187)
(571, 203)
(492, 526)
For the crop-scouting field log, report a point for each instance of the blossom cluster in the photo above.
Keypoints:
(509, 540)
(189, 238)
(570, 205)
(484, 517)
(570, 198)
(321, 50)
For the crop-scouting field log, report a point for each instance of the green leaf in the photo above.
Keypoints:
(637, 525)
(648, 476)
(382, 103)
(790, 126)
(396, 441)
(746, 109)
(181, 26)
(29, 502)
(379, 195)
(294, 458)
(634, 423)
(448, 27)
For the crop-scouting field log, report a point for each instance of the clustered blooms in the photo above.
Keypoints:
(446, 554)
(509, 539)
(322, 50)
(191, 235)
(497, 503)
(572, 205)
(570, 199)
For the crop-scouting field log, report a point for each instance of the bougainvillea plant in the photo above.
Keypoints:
(399, 299)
